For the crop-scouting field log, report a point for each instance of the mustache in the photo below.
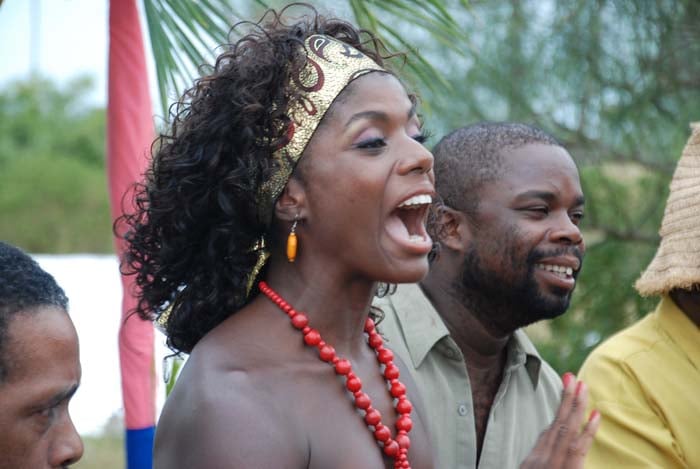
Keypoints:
(538, 254)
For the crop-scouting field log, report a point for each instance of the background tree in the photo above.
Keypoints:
(52, 181)
(617, 81)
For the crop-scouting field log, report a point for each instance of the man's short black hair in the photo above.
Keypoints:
(23, 286)
(471, 156)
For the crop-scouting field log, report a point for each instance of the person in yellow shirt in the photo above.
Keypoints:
(645, 381)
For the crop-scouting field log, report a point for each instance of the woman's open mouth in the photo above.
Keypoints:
(406, 223)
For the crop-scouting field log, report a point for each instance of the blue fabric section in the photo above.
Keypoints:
(139, 448)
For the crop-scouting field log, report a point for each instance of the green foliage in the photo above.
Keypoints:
(185, 33)
(53, 195)
(617, 83)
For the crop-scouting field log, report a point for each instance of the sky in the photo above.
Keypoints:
(61, 40)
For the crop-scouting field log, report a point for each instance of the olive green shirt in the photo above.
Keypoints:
(526, 402)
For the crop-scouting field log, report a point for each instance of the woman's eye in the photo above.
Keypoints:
(422, 137)
(371, 143)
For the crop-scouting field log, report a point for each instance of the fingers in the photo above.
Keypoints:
(568, 422)
(585, 440)
(561, 424)
(564, 444)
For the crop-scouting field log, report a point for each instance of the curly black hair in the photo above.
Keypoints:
(24, 286)
(189, 240)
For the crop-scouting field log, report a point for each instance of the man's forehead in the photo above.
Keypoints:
(38, 340)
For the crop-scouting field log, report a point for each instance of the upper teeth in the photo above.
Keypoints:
(421, 199)
(556, 268)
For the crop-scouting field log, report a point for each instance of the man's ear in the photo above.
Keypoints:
(452, 229)
(291, 203)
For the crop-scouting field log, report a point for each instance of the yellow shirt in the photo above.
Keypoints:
(645, 381)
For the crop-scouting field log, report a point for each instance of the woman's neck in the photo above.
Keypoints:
(337, 305)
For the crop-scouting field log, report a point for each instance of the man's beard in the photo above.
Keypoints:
(503, 302)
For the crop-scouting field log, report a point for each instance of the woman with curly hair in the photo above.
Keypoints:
(292, 180)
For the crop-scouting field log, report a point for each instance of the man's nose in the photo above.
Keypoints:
(565, 231)
(67, 447)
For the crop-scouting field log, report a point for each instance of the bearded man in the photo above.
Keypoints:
(510, 250)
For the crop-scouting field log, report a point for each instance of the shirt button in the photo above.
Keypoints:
(462, 410)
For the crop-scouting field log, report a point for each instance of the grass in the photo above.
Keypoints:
(106, 449)
(102, 452)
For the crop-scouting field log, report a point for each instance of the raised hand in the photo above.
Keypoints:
(564, 444)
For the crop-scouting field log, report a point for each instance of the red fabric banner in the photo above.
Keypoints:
(130, 132)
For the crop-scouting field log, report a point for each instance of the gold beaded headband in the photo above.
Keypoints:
(330, 66)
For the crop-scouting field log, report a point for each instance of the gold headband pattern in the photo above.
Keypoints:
(330, 66)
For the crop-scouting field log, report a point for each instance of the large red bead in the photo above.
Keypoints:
(391, 448)
(326, 353)
(404, 423)
(403, 440)
(369, 325)
(404, 406)
(391, 371)
(385, 355)
(373, 417)
(312, 337)
(343, 367)
(353, 384)
(382, 433)
(375, 340)
(362, 400)
(300, 321)
(398, 389)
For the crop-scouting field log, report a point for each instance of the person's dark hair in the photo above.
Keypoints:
(189, 241)
(471, 156)
(24, 286)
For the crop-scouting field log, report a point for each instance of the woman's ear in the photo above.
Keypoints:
(452, 228)
(291, 204)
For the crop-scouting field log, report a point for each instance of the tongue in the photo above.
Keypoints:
(396, 228)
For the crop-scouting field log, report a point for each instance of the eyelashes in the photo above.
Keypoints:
(423, 137)
(371, 144)
(379, 142)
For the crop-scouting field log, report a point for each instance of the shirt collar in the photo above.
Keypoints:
(680, 328)
(423, 329)
(521, 351)
(420, 322)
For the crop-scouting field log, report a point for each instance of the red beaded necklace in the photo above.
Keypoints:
(396, 448)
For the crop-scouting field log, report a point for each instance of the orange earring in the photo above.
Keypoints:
(292, 241)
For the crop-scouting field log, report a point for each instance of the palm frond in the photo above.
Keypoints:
(395, 20)
(184, 35)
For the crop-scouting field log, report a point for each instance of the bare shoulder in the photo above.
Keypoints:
(226, 412)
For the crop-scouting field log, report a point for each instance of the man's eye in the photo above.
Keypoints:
(48, 413)
(371, 143)
(576, 217)
(44, 418)
(539, 210)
